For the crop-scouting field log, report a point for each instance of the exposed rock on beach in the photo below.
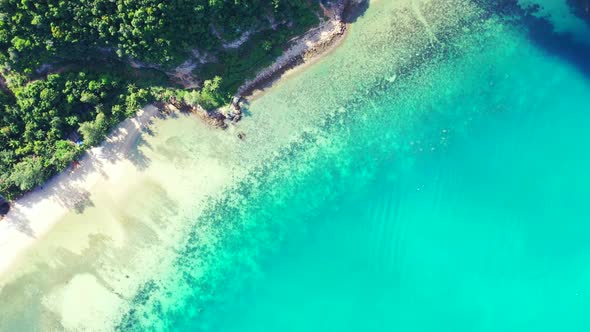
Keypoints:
(309, 46)
(214, 118)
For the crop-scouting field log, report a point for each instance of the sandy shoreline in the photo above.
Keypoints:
(34, 214)
(35, 218)
(306, 50)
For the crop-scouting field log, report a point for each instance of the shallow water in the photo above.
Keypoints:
(429, 175)
(480, 223)
(447, 191)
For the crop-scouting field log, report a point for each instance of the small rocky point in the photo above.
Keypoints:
(215, 118)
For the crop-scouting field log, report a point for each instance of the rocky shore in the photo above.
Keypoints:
(215, 119)
(303, 49)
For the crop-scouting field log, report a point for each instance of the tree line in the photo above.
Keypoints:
(34, 32)
(48, 123)
(48, 120)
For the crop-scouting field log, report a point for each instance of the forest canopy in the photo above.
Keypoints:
(66, 77)
(34, 32)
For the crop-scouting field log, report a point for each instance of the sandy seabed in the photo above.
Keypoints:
(89, 236)
(75, 251)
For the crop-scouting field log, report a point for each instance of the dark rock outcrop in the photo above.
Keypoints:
(4, 207)
(235, 112)
(179, 104)
(215, 118)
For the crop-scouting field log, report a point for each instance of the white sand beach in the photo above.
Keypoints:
(37, 212)
(33, 215)
(93, 232)
(99, 231)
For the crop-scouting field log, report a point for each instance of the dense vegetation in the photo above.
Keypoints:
(33, 32)
(65, 78)
(39, 123)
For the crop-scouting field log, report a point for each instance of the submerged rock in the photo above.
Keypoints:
(581, 8)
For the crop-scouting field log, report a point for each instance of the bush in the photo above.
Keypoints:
(94, 131)
(208, 97)
(28, 173)
(65, 153)
(39, 114)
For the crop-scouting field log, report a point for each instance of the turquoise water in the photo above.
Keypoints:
(447, 191)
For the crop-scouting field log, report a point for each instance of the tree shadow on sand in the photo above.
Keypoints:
(137, 157)
(71, 197)
(20, 222)
(116, 149)
(66, 193)
(65, 188)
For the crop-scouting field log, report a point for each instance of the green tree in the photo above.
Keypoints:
(210, 95)
(65, 152)
(267, 45)
(94, 131)
(28, 173)
(38, 113)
